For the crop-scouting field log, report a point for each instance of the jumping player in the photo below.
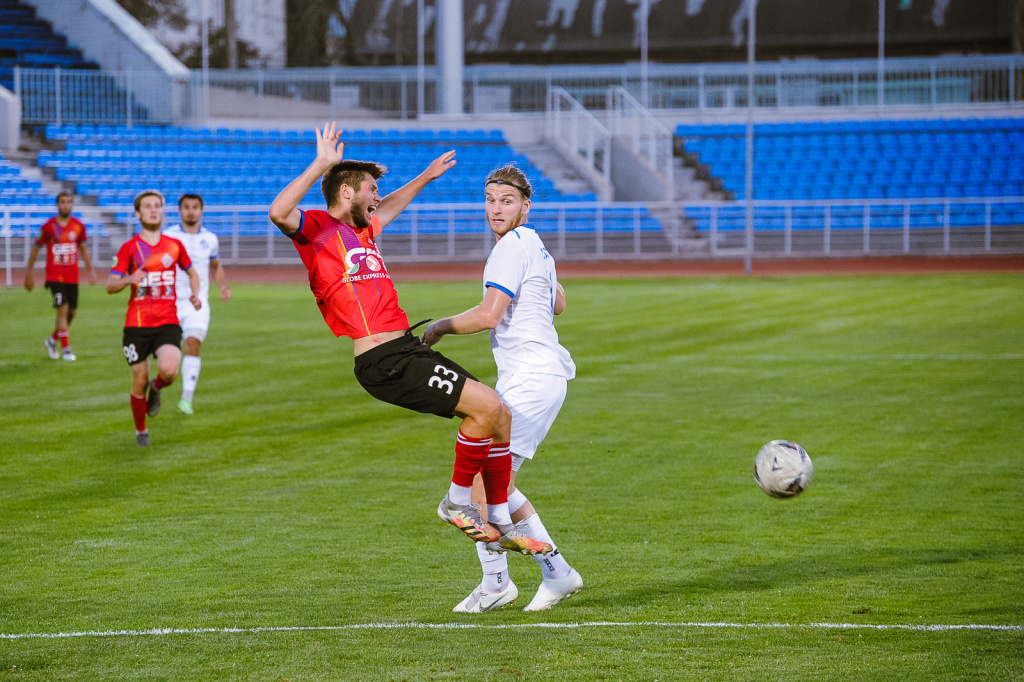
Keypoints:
(203, 248)
(521, 297)
(147, 263)
(357, 298)
(64, 238)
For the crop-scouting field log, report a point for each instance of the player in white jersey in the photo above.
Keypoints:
(203, 248)
(521, 297)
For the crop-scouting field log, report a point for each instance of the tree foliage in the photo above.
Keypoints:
(152, 12)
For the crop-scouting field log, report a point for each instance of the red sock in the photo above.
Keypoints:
(159, 382)
(62, 336)
(470, 454)
(497, 472)
(139, 411)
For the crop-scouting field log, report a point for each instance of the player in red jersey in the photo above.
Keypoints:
(147, 262)
(357, 298)
(64, 238)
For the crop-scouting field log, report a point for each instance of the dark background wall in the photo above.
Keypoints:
(606, 31)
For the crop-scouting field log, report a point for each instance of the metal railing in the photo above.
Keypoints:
(99, 97)
(646, 135)
(391, 92)
(864, 227)
(426, 233)
(583, 140)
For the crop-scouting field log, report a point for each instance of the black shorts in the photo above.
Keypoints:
(141, 342)
(63, 294)
(408, 373)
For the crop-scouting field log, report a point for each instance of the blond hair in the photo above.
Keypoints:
(148, 193)
(510, 174)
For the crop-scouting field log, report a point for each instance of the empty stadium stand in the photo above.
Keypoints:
(26, 40)
(850, 160)
(17, 189)
(240, 167)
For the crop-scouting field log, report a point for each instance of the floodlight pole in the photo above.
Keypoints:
(881, 55)
(645, 8)
(204, 30)
(748, 257)
(420, 60)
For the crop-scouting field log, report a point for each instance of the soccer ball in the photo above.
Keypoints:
(782, 469)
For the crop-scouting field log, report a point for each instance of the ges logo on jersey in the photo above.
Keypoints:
(357, 257)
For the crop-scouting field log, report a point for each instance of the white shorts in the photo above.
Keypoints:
(194, 323)
(535, 400)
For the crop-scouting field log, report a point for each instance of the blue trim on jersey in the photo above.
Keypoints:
(298, 233)
(214, 255)
(499, 288)
(117, 272)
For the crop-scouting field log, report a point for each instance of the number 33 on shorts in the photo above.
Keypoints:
(444, 384)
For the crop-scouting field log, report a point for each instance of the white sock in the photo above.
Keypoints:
(460, 495)
(552, 565)
(495, 567)
(190, 365)
(497, 514)
(516, 500)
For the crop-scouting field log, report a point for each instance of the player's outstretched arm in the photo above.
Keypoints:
(329, 150)
(30, 281)
(486, 315)
(394, 203)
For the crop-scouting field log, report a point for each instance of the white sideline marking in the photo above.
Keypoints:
(476, 626)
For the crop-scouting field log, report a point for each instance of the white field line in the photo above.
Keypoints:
(476, 626)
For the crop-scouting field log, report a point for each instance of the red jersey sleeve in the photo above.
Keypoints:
(43, 237)
(184, 262)
(123, 260)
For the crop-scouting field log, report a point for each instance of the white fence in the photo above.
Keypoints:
(438, 233)
(582, 139)
(645, 134)
(393, 92)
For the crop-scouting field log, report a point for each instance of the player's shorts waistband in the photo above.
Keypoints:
(402, 344)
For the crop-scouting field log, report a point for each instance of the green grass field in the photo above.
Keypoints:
(293, 509)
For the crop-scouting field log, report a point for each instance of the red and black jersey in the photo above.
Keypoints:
(347, 275)
(152, 303)
(61, 242)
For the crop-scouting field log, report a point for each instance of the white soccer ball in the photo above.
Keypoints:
(783, 469)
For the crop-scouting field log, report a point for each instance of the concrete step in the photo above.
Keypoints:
(567, 180)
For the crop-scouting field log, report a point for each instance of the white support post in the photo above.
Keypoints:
(867, 229)
(988, 227)
(945, 227)
(906, 228)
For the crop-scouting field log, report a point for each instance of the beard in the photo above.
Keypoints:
(360, 217)
(152, 227)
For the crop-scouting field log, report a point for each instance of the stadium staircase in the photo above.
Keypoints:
(850, 160)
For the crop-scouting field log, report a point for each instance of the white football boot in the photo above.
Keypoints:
(479, 601)
(553, 591)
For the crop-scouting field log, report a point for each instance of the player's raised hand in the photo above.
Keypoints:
(137, 276)
(329, 147)
(440, 165)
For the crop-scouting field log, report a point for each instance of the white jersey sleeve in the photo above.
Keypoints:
(525, 340)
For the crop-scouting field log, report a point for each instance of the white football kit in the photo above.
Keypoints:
(533, 368)
(201, 248)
